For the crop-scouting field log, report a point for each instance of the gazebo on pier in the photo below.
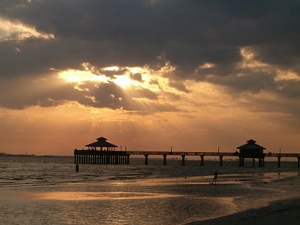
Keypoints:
(100, 152)
(251, 150)
(102, 145)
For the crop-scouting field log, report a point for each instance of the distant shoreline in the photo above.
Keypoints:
(7, 154)
(31, 155)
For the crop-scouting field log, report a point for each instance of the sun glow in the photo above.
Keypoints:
(111, 68)
(124, 81)
(124, 77)
(78, 76)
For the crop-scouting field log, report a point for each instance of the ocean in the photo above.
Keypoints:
(48, 190)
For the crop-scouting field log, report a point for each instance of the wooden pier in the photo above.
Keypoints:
(123, 157)
(103, 152)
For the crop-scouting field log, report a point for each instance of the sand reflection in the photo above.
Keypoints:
(88, 196)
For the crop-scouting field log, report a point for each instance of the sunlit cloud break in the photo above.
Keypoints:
(125, 77)
(15, 30)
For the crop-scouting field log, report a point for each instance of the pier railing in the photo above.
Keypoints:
(183, 153)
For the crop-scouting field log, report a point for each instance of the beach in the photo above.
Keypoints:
(277, 213)
(286, 210)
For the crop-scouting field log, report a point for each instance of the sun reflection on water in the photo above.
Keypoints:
(86, 196)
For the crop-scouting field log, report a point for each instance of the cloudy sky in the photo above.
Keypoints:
(149, 74)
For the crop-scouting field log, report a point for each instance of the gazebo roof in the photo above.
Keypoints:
(251, 145)
(101, 142)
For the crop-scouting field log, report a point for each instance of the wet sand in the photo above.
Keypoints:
(285, 210)
(282, 212)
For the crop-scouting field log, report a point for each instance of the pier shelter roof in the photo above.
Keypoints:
(101, 144)
(251, 145)
(251, 150)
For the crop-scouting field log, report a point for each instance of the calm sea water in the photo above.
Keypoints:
(47, 190)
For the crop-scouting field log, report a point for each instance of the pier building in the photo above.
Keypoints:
(253, 151)
(100, 152)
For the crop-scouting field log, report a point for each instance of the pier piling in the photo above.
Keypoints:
(202, 160)
(165, 159)
(278, 163)
(221, 160)
(183, 160)
(146, 159)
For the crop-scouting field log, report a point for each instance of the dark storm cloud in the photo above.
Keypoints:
(189, 32)
(137, 32)
(251, 82)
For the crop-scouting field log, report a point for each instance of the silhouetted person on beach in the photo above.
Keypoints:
(214, 181)
(77, 168)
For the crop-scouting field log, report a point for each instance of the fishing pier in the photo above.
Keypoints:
(103, 152)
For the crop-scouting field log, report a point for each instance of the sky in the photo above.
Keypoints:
(196, 75)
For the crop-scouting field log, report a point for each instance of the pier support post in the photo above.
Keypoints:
(241, 162)
(183, 160)
(298, 161)
(165, 159)
(128, 159)
(146, 159)
(261, 162)
(202, 160)
(221, 160)
(75, 157)
(279, 164)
